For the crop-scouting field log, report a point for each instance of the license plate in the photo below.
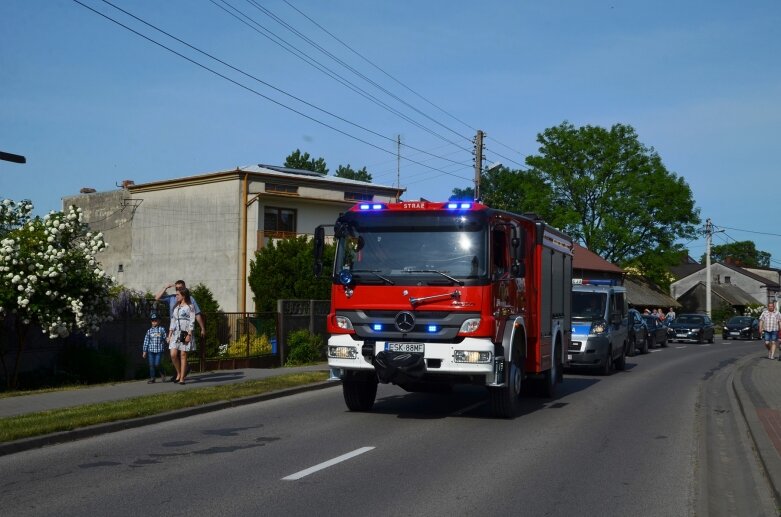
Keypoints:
(576, 343)
(681, 335)
(412, 348)
(734, 333)
(569, 357)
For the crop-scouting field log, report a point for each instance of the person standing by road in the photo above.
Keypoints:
(171, 300)
(154, 342)
(670, 316)
(180, 337)
(769, 322)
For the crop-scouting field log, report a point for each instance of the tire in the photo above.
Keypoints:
(547, 385)
(506, 401)
(701, 339)
(607, 368)
(620, 363)
(652, 344)
(632, 347)
(644, 350)
(712, 336)
(664, 343)
(359, 393)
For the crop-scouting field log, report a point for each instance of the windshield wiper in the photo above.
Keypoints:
(459, 282)
(375, 272)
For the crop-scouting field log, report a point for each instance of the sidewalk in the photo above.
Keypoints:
(755, 381)
(13, 406)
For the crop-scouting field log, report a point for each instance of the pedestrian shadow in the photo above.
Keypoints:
(234, 375)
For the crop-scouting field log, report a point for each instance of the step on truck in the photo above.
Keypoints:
(428, 295)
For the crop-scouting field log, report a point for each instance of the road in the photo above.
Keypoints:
(662, 438)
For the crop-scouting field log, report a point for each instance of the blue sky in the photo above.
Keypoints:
(91, 104)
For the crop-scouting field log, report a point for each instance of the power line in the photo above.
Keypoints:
(245, 87)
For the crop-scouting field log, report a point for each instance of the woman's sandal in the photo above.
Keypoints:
(181, 382)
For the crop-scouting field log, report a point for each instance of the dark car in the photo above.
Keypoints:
(638, 333)
(741, 327)
(692, 327)
(657, 331)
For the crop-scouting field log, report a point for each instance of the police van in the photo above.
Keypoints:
(599, 326)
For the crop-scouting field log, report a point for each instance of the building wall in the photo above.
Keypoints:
(719, 273)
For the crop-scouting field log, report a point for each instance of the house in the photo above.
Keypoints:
(730, 284)
(206, 228)
(640, 293)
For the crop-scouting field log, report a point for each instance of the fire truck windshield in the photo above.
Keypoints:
(407, 248)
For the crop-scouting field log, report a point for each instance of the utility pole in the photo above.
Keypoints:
(708, 236)
(398, 166)
(478, 161)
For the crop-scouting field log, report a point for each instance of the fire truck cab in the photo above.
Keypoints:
(427, 295)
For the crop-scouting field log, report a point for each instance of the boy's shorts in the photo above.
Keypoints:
(770, 335)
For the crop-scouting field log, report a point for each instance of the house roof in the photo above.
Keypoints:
(583, 258)
(684, 270)
(730, 293)
(642, 293)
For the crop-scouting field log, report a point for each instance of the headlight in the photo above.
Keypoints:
(342, 352)
(468, 356)
(343, 322)
(746, 329)
(470, 325)
(598, 327)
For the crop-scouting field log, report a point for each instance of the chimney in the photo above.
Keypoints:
(127, 183)
(87, 190)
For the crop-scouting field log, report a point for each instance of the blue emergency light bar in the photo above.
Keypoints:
(371, 206)
(599, 282)
(459, 206)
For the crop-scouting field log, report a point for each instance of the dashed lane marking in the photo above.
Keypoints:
(326, 464)
(679, 347)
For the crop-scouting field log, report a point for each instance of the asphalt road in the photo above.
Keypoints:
(662, 438)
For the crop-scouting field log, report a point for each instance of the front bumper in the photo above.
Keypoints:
(684, 335)
(437, 359)
(588, 350)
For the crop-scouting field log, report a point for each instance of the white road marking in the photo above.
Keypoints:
(679, 347)
(326, 464)
(706, 344)
(654, 351)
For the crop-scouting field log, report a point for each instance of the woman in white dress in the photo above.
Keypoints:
(180, 336)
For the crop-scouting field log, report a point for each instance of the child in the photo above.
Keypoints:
(154, 341)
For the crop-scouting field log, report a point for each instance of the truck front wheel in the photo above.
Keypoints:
(505, 401)
(359, 392)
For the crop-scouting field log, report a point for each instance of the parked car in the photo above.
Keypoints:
(638, 333)
(599, 329)
(741, 327)
(657, 331)
(692, 327)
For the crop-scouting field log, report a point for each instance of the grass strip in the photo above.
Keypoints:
(67, 419)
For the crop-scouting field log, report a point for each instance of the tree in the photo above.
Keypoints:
(345, 171)
(51, 277)
(283, 270)
(462, 194)
(296, 160)
(742, 253)
(604, 188)
(212, 315)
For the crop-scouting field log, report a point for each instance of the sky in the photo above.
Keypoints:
(90, 103)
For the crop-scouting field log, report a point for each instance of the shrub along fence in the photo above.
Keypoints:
(233, 340)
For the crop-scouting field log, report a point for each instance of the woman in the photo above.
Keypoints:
(180, 335)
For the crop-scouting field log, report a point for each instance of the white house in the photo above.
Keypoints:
(737, 286)
(206, 228)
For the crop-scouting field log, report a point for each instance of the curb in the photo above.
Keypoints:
(768, 456)
(36, 442)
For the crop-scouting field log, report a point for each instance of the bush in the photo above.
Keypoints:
(303, 348)
(258, 345)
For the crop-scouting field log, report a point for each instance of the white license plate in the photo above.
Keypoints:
(680, 335)
(569, 357)
(412, 348)
(734, 333)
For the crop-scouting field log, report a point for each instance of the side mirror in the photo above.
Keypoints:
(318, 252)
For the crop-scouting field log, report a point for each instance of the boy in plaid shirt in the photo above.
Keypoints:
(154, 343)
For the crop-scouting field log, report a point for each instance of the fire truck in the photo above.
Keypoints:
(427, 295)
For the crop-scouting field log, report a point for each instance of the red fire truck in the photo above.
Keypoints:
(427, 295)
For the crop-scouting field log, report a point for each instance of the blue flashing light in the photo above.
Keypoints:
(465, 206)
(365, 207)
(345, 277)
(432, 328)
(599, 282)
(370, 206)
(377, 326)
(459, 206)
(376, 207)
(451, 206)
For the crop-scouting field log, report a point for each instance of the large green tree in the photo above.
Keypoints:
(742, 253)
(345, 171)
(607, 190)
(283, 270)
(298, 160)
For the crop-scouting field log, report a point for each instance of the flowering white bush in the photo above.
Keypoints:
(49, 272)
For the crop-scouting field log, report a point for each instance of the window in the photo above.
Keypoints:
(357, 196)
(279, 222)
(727, 280)
(281, 189)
